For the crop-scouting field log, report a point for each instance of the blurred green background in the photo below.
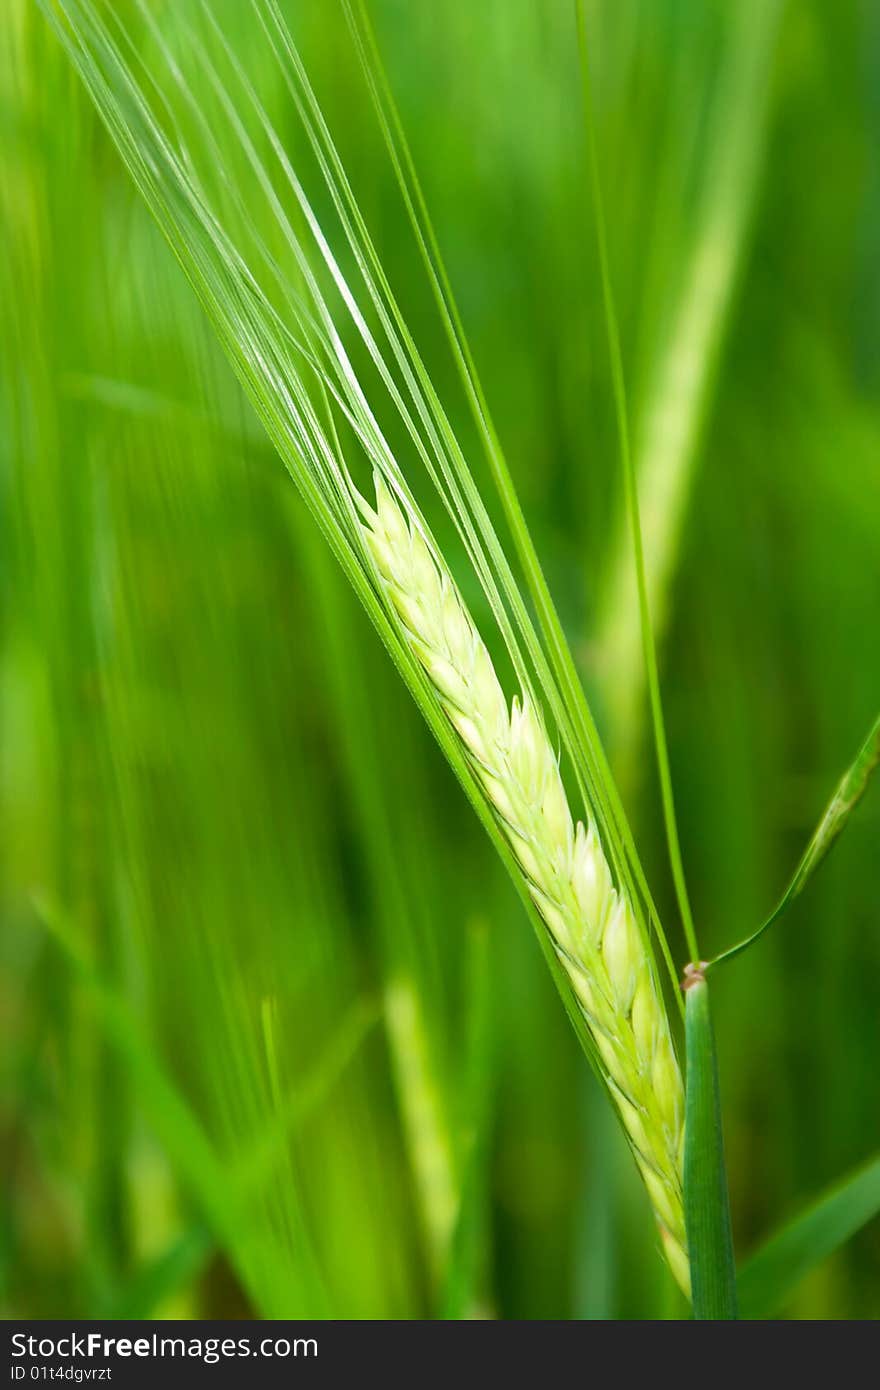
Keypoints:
(276, 1036)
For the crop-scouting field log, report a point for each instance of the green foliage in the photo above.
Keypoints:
(773, 1273)
(216, 779)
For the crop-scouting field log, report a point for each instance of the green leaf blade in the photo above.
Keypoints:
(848, 793)
(774, 1272)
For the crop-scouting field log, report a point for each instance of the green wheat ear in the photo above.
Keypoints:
(591, 922)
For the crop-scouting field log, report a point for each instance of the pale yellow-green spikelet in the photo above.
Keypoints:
(590, 922)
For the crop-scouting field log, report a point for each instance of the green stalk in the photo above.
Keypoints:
(706, 1202)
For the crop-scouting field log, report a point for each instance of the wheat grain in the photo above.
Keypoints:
(591, 922)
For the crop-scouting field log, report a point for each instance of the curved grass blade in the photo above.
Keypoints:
(222, 1192)
(253, 1170)
(767, 1279)
(197, 1163)
(176, 1268)
(706, 1203)
(847, 795)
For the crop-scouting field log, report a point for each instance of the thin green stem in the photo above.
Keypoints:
(632, 505)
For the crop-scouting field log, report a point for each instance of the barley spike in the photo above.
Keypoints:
(590, 921)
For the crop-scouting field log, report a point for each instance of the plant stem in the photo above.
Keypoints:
(706, 1201)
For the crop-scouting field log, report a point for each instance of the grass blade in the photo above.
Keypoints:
(848, 793)
(197, 1162)
(222, 1190)
(159, 1280)
(767, 1279)
(706, 1204)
